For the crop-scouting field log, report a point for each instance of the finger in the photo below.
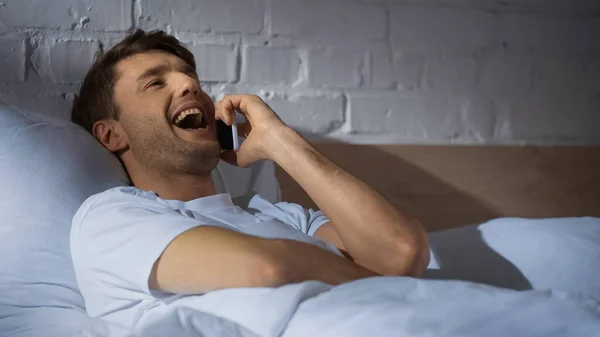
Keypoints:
(217, 111)
(239, 102)
(225, 112)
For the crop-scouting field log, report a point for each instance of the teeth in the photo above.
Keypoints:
(192, 111)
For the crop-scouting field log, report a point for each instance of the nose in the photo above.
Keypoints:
(188, 86)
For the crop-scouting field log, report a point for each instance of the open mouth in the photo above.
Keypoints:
(190, 119)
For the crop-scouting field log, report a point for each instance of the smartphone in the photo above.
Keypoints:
(227, 136)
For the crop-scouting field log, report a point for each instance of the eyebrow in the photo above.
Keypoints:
(188, 69)
(161, 69)
(154, 71)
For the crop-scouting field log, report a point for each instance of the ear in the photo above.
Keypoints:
(111, 135)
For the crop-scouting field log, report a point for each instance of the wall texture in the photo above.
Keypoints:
(363, 71)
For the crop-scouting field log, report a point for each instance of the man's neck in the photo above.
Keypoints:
(176, 187)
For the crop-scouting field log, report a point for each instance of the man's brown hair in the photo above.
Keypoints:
(96, 96)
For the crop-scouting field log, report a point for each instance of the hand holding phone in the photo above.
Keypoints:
(261, 125)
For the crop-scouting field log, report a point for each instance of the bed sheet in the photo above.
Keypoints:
(381, 306)
(553, 263)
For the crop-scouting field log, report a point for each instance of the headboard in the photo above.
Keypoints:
(452, 186)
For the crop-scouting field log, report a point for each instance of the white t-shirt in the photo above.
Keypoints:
(117, 236)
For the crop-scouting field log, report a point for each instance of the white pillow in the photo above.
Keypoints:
(559, 253)
(49, 167)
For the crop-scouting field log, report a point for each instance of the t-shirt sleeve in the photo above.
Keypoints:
(316, 219)
(294, 215)
(117, 237)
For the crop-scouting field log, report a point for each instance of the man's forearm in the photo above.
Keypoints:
(208, 258)
(373, 231)
(298, 261)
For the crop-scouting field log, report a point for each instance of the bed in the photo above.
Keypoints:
(517, 276)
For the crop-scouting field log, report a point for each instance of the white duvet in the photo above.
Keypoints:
(382, 306)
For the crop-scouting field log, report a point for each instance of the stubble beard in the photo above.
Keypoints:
(168, 155)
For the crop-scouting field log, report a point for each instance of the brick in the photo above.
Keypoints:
(404, 71)
(440, 29)
(540, 6)
(550, 33)
(409, 69)
(270, 65)
(327, 20)
(562, 74)
(592, 75)
(555, 119)
(381, 71)
(114, 15)
(565, 6)
(506, 72)
(12, 60)
(221, 16)
(334, 68)
(65, 61)
(479, 118)
(415, 116)
(456, 73)
(310, 114)
(215, 63)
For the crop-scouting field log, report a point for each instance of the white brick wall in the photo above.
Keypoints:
(270, 65)
(327, 20)
(334, 68)
(364, 71)
(315, 114)
(215, 63)
(12, 60)
(441, 29)
(64, 61)
(112, 15)
(231, 16)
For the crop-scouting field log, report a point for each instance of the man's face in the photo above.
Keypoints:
(152, 90)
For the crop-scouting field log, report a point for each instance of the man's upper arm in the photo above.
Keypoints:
(140, 244)
(120, 236)
(208, 258)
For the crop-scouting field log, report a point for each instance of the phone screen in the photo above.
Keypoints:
(224, 135)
